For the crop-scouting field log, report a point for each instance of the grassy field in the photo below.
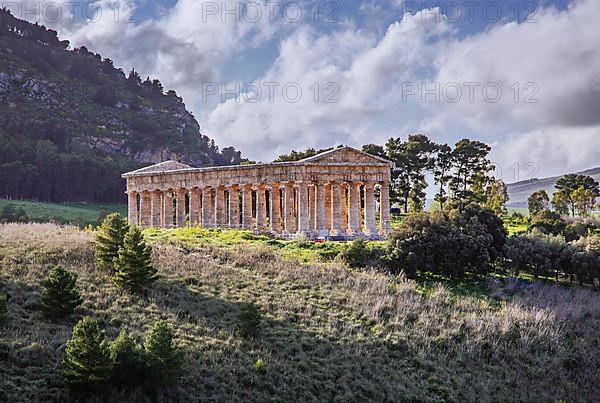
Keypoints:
(77, 213)
(327, 334)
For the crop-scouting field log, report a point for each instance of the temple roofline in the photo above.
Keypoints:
(314, 160)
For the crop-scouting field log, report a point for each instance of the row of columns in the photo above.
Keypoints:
(312, 209)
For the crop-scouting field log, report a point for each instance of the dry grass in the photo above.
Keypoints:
(328, 333)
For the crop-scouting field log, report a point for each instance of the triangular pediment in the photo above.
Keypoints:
(162, 167)
(346, 155)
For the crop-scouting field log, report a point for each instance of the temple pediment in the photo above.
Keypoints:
(161, 168)
(346, 155)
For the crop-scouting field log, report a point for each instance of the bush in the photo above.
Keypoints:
(164, 359)
(449, 245)
(60, 296)
(127, 357)
(249, 318)
(109, 239)
(535, 253)
(86, 364)
(10, 213)
(133, 266)
(358, 254)
(4, 311)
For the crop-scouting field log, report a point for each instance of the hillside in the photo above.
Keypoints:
(327, 333)
(71, 122)
(520, 191)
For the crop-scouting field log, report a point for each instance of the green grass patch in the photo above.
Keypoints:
(78, 213)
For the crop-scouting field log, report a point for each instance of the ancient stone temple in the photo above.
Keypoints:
(339, 194)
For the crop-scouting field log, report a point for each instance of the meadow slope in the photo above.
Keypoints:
(328, 333)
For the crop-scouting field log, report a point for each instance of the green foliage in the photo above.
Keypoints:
(87, 366)
(4, 309)
(12, 213)
(300, 155)
(249, 320)
(259, 366)
(60, 296)
(358, 254)
(451, 245)
(471, 166)
(576, 194)
(538, 202)
(164, 358)
(128, 360)
(109, 239)
(133, 265)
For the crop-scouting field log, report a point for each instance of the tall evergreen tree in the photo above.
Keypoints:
(127, 357)
(86, 362)
(109, 238)
(470, 176)
(568, 184)
(538, 202)
(164, 358)
(60, 296)
(133, 265)
(442, 172)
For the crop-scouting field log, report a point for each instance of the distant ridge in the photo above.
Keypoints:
(520, 191)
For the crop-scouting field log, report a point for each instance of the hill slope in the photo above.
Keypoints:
(327, 333)
(71, 123)
(520, 191)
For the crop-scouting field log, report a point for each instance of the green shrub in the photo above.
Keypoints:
(109, 238)
(128, 360)
(60, 296)
(449, 244)
(86, 363)
(358, 254)
(4, 311)
(164, 359)
(249, 320)
(133, 266)
(10, 213)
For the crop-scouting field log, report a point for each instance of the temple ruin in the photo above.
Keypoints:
(339, 194)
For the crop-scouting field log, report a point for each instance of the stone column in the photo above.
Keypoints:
(145, 210)
(328, 206)
(288, 206)
(336, 209)
(303, 209)
(156, 207)
(275, 208)
(370, 226)
(180, 211)
(247, 220)
(219, 206)
(168, 209)
(354, 214)
(312, 196)
(132, 208)
(207, 208)
(261, 207)
(320, 219)
(344, 203)
(194, 207)
(385, 222)
(234, 207)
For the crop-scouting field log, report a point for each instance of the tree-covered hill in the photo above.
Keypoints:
(71, 122)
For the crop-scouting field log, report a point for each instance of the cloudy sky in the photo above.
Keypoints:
(268, 77)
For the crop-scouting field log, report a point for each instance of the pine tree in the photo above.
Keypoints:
(61, 296)
(127, 357)
(109, 239)
(86, 362)
(133, 266)
(163, 357)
